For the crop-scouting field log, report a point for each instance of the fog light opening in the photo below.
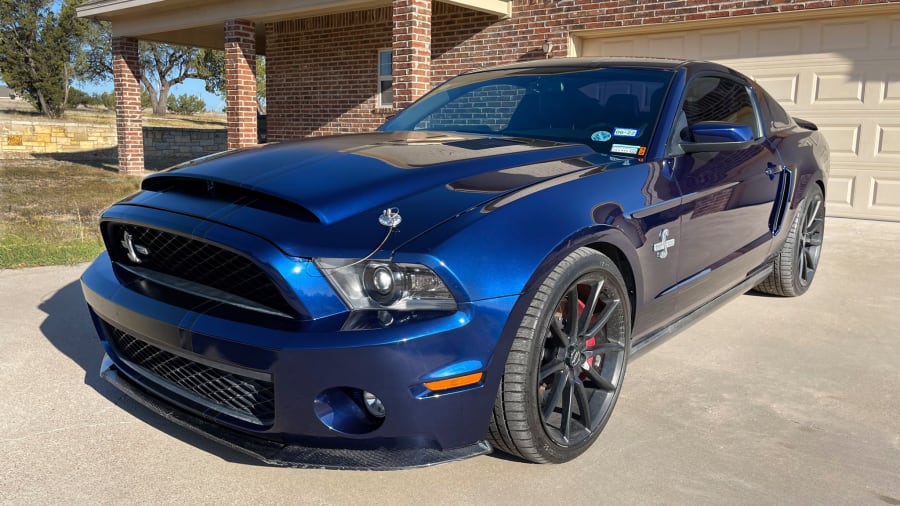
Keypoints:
(349, 410)
(373, 404)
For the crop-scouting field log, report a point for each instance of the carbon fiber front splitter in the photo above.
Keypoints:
(281, 454)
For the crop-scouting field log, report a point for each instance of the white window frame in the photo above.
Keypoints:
(385, 77)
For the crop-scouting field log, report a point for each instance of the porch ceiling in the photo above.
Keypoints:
(199, 22)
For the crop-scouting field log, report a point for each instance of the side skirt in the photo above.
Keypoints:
(663, 334)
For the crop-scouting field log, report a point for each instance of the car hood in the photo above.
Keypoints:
(329, 190)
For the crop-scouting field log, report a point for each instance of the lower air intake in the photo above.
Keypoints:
(245, 398)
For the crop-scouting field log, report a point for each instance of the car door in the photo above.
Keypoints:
(729, 195)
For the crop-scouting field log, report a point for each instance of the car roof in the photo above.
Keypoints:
(607, 62)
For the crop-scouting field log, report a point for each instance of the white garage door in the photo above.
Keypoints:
(843, 74)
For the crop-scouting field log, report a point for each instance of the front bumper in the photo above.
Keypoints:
(287, 455)
(420, 427)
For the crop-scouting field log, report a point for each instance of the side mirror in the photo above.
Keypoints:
(718, 136)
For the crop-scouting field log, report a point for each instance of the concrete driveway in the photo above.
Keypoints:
(765, 401)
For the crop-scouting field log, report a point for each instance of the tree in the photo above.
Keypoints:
(38, 51)
(210, 64)
(162, 65)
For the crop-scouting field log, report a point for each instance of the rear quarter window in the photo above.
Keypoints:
(779, 119)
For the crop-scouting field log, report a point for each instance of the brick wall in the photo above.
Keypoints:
(240, 80)
(411, 50)
(80, 141)
(126, 74)
(321, 74)
(322, 71)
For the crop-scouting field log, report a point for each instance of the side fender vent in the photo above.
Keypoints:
(809, 125)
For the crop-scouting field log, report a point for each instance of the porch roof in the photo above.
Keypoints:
(198, 23)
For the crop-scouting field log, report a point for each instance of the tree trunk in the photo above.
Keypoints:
(162, 105)
(158, 99)
(44, 108)
(151, 92)
(40, 95)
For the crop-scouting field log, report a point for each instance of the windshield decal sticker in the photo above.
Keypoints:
(625, 149)
(627, 132)
(601, 136)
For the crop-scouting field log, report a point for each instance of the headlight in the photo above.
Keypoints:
(377, 284)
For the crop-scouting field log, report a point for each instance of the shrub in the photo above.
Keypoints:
(76, 98)
(186, 104)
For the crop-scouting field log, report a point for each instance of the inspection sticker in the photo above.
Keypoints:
(627, 132)
(625, 149)
(601, 136)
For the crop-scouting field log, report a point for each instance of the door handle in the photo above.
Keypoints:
(774, 169)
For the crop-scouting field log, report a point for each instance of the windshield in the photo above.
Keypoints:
(613, 110)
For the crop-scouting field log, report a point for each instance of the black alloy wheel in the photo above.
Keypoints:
(796, 264)
(812, 231)
(566, 367)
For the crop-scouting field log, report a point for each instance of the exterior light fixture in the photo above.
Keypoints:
(546, 47)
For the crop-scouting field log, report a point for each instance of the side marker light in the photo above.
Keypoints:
(459, 381)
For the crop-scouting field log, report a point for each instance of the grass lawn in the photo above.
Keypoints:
(23, 111)
(49, 211)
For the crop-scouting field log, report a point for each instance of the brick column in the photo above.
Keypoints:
(411, 50)
(240, 82)
(126, 78)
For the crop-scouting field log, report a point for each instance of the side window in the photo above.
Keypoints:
(385, 78)
(718, 99)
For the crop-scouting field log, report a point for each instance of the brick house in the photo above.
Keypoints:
(341, 66)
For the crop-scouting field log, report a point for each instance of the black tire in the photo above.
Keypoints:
(558, 391)
(797, 262)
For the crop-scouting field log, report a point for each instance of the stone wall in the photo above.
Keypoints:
(47, 139)
(24, 139)
(182, 143)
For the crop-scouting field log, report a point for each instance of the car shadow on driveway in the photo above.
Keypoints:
(68, 327)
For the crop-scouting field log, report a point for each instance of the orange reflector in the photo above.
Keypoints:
(459, 381)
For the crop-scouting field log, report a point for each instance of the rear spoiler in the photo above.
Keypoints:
(809, 125)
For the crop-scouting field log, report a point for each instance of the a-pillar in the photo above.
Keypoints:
(240, 82)
(411, 50)
(126, 78)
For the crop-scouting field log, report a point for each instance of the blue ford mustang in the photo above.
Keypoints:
(474, 275)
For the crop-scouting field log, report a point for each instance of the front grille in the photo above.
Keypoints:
(197, 262)
(245, 398)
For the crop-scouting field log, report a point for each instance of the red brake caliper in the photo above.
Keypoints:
(590, 343)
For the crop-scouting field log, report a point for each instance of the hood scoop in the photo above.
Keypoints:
(229, 193)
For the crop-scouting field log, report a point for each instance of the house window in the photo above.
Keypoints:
(385, 79)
